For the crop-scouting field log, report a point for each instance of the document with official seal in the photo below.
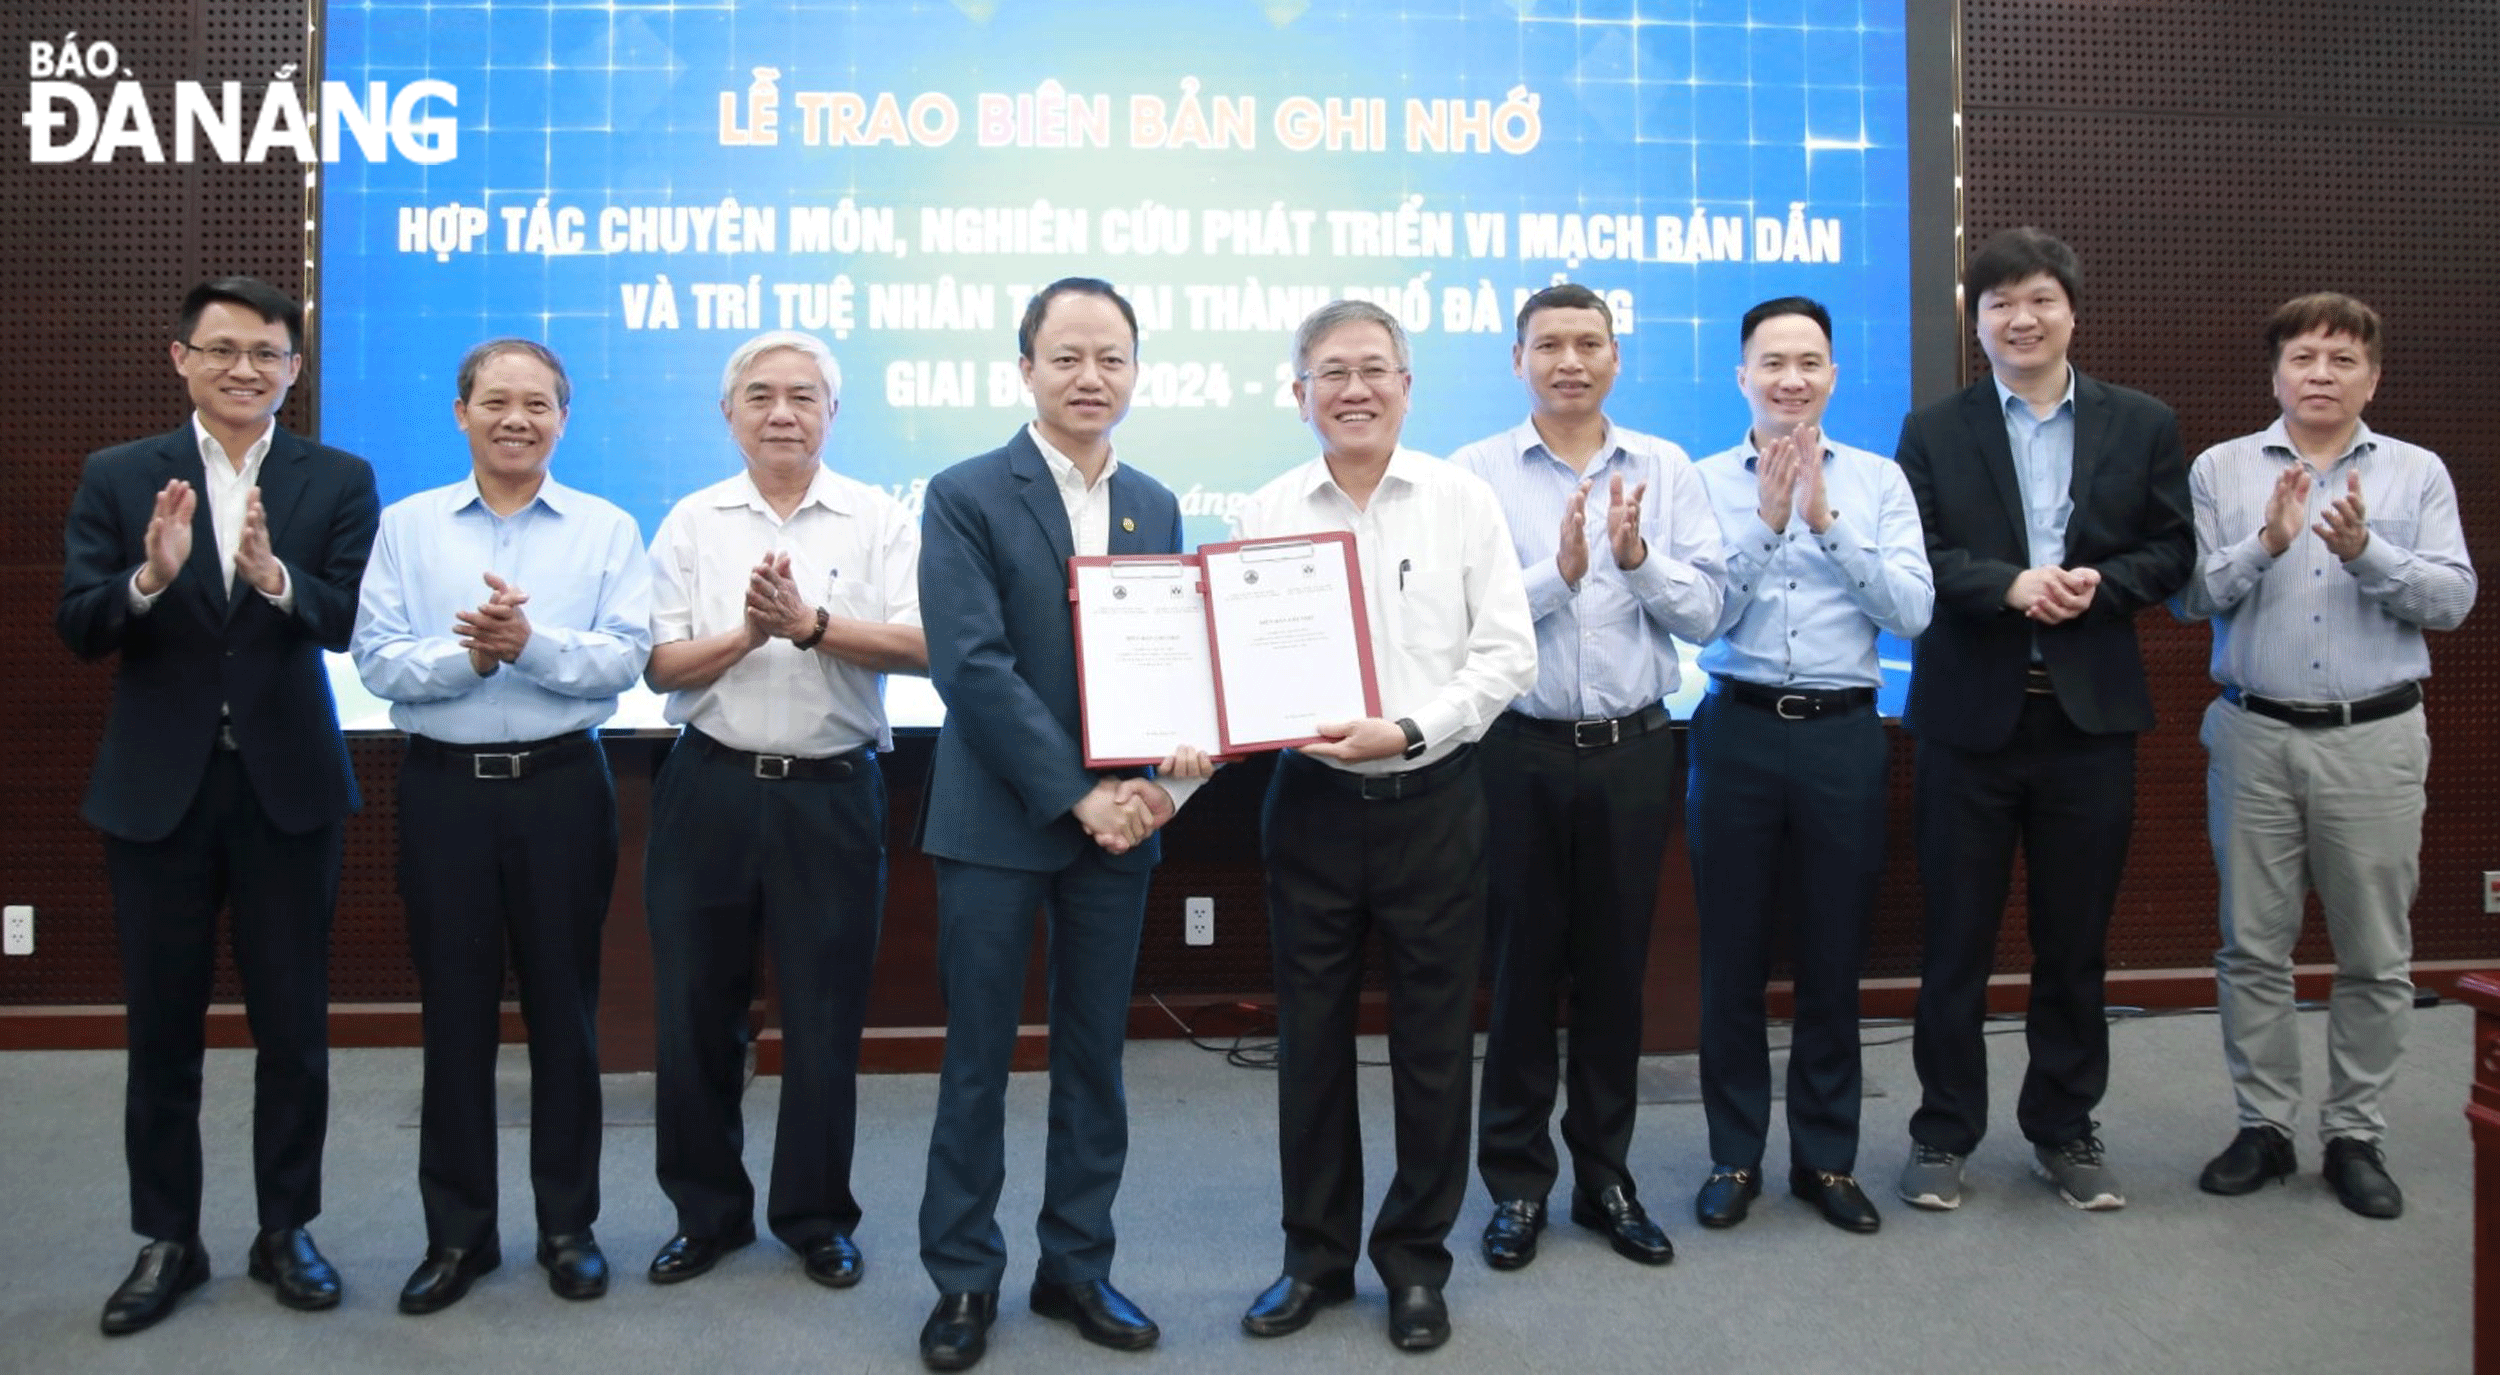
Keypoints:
(1144, 681)
(1288, 638)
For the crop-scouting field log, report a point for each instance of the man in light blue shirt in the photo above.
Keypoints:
(1620, 552)
(2324, 550)
(1788, 762)
(500, 617)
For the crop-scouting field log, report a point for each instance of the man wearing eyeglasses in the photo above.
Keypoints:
(220, 560)
(1619, 550)
(1381, 825)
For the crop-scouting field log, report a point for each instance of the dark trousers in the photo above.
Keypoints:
(280, 889)
(799, 862)
(1338, 868)
(488, 865)
(1095, 914)
(1574, 889)
(2068, 799)
(1784, 814)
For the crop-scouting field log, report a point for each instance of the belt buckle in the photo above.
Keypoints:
(1584, 738)
(2340, 713)
(773, 767)
(1380, 787)
(1804, 711)
(495, 765)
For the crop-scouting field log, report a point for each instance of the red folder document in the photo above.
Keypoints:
(1241, 647)
(1143, 680)
(1288, 638)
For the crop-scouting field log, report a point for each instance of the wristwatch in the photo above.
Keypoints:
(823, 619)
(1414, 737)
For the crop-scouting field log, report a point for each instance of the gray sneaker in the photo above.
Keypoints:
(2080, 1176)
(1932, 1179)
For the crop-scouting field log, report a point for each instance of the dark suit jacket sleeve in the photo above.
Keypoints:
(2156, 549)
(326, 586)
(1967, 584)
(973, 663)
(93, 613)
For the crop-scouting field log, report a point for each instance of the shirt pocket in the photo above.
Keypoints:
(1432, 620)
(853, 599)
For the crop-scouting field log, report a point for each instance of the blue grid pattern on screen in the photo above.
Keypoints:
(1653, 110)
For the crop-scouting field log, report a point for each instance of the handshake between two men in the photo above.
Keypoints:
(1122, 811)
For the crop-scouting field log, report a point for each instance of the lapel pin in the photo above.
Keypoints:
(1129, 524)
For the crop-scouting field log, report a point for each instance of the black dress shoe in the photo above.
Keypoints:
(1289, 1303)
(1510, 1238)
(575, 1268)
(1418, 1319)
(2256, 1155)
(1837, 1197)
(1103, 1315)
(957, 1332)
(1620, 1217)
(2359, 1174)
(835, 1262)
(686, 1256)
(286, 1260)
(166, 1271)
(1726, 1196)
(444, 1276)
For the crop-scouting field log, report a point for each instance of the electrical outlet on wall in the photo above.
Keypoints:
(1198, 921)
(17, 930)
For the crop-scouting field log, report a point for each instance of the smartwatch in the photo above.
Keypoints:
(1414, 737)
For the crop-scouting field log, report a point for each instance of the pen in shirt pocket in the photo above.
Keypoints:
(1405, 566)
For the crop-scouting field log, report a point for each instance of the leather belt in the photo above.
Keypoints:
(775, 768)
(2313, 715)
(1794, 703)
(1387, 787)
(1593, 734)
(502, 760)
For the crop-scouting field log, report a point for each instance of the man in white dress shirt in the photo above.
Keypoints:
(781, 597)
(1382, 825)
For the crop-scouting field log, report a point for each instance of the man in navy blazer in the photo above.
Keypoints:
(220, 560)
(1015, 821)
(2056, 508)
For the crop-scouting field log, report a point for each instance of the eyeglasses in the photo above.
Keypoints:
(1373, 375)
(223, 355)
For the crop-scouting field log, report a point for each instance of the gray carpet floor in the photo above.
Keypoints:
(2014, 1281)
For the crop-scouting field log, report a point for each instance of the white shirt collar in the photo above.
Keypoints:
(1063, 469)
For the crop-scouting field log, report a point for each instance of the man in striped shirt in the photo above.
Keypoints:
(2324, 550)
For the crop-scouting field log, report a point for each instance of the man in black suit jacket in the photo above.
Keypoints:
(220, 560)
(2056, 508)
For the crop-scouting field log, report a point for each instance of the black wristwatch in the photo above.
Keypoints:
(823, 618)
(1414, 737)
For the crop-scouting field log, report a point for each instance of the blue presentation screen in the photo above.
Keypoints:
(641, 186)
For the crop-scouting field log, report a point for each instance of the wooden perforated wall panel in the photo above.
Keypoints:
(2207, 159)
(2210, 161)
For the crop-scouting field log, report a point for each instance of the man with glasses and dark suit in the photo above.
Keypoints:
(220, 561)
